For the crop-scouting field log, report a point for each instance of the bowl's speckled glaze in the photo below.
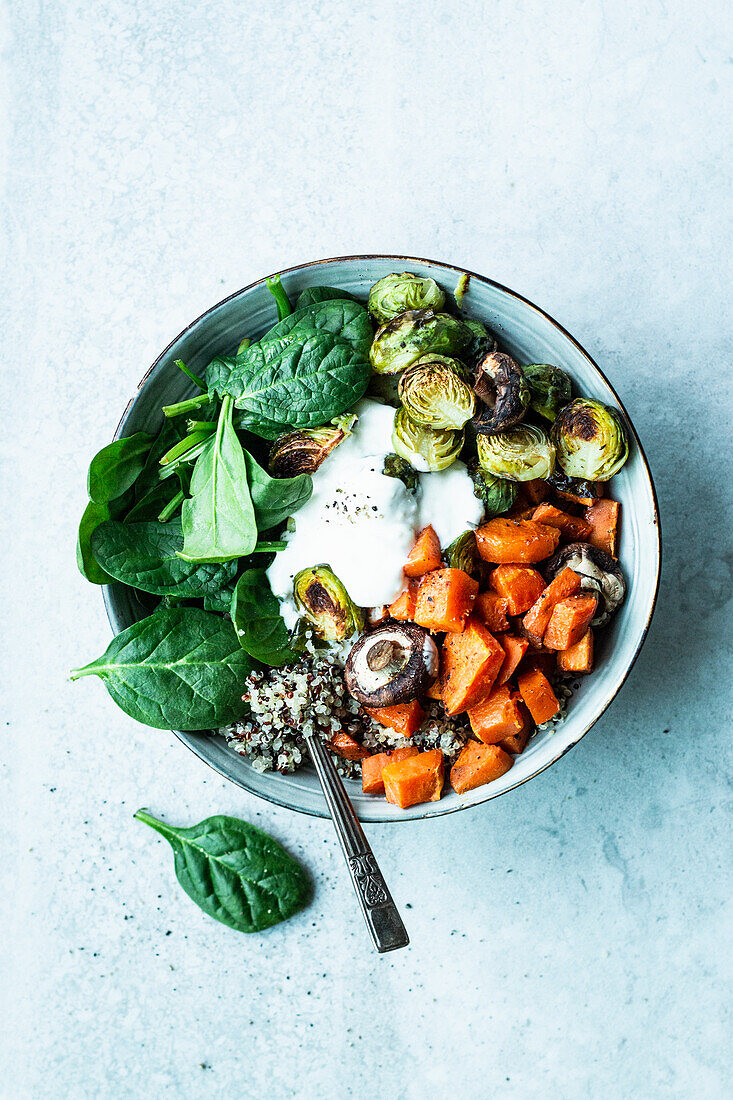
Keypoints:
(532, 337)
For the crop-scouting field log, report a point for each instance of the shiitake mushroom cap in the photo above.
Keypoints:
(394, 663)
(502, 390)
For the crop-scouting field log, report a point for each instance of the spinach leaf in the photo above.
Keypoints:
(235, 872)
(181, 668)
(219, 519)
(275, 498)
(220, 603)
(149, 506)
(257, 621)
(170, 433)
(313, 294)
(146, 556)
(308, 380)
(115, 468)
(89, 567)
(340, 317)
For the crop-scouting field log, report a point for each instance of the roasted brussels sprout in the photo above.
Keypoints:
(396, 466)
(502, 391)
(522, 453)
(482, 342)
(435, 393)
(302, 452)
(324, 601)
(401, 341)
(394, 294)
(463, 554)
(497, 493)
(550, 389)
(383, 387)
(394, 663)
(427, 449)
(601, 574)
(591, 440)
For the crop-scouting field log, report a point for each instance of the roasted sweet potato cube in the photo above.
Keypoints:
(603, 521)
(417, 779)
(344, 745)
(497, 717)
(534, 623)
(572, 528)
(403, 718)
(478, 764)
(372, 766)
(569, 621)
(537, 694)
(521, 585)
(518, 743)
(503, 540)
(579, 657)
(444, 600)
(403, 608)
(469, 664)
(494, 610)
(425, 554)
(514, 650)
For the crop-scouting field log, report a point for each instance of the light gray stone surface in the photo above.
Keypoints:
(568, 940)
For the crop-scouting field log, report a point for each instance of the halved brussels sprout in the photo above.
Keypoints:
(435, 393)
(324, 601)
(463, 554)
(396, 466)
(461, 290)
(426, 449)
(401, 341)
(591, 440)
(497, 493)
(550, 389)
(394, 294)
(522, 453)
(302, 452)
(502, 390)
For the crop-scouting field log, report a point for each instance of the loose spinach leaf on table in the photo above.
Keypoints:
(115, 468)
(147, 556)
(235, 872)
(307, 381)
(313, 294)
(219, 519)
(275, 498)
(181, 668)
(340, 317)
(258, 622)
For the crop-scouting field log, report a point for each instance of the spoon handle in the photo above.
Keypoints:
(380, 912)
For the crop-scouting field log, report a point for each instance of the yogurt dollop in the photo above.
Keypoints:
(362, 524)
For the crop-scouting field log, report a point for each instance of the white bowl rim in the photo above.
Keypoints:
(435, 809)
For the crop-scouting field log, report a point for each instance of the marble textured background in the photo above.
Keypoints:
(569, 940)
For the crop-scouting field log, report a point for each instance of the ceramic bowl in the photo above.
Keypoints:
(531, 336)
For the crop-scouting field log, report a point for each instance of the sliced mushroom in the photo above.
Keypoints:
(395, 663)
(600, 573)
(501, 387)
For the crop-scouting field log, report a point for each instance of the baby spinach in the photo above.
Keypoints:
(257, 620)
(181, 668)
(115, 468)
(298, 382)
(153, 502)
(89, 567)
(313, 294)
(220, 602)
(284, 308)
(146, 556)
(170, 433)
(340, 317)
(219, 520)
(235, 872)
(275, 498)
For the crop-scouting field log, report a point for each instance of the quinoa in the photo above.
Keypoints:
(312, 696)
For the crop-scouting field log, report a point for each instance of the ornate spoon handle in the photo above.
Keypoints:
(380, 913)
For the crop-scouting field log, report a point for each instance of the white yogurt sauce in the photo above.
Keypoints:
(363, 524)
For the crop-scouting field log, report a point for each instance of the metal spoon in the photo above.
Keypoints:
(380, 912)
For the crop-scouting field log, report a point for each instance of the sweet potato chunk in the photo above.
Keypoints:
(371, 768)
(578, 658)
(521, 585)
(585, 501)
(425, 554)
(516, 540)
(534, 623)
(403, 718)
(497, 717)
(535, 491)
(417, 779)
(478, 764)
(493, 609)
(403, 607)
(569, 621)
(537, 693)
(518, 742)
(603, 521)
(444, 600)
(573, 528)
(546, 661)
(514, 649)
(344, 745)
(469, 664)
